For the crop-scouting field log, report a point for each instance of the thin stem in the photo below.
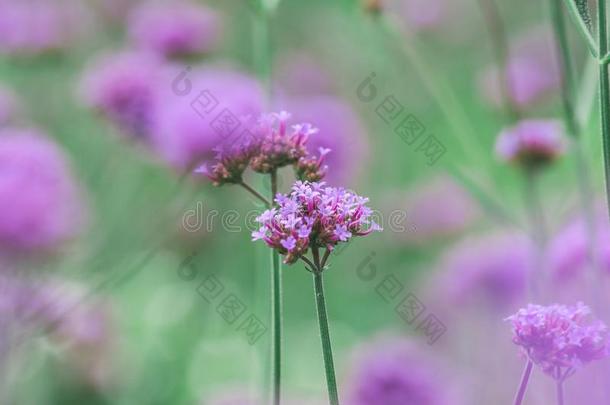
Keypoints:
(255, 193)
(537, 229)
(604, 93)
(582, 28)
(567, 76)
(312, 267)
(524, 380)
(497, 33)
(560, 392)
(575, 129)
(329, 367)
(276, 314)
(325, 258)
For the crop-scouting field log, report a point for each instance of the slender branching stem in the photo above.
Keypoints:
(575, 130)
(310, 266)
(604, 91)
(560, 392)
(325, 258)
(255, 193)
(582, 28)
(538, 229)
(497, 34)
(329, 367)
(276, 313)
(524, 381)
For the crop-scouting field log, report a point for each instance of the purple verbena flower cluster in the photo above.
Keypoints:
(558, 338)
(174, 28)
(271, 146)
(230, 162)
(531, 143)
(314, 215)
(280, 147)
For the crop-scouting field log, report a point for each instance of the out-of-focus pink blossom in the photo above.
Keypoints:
(124, 87)
(174, 28)
(313, 215)
(222, 104)
(434, 210)
(488, 269)
(559, 338)
(30, 27)
(531, 72)
(531, 143)
(339, 129)
(40, 204)
(568, 252)
(395, 371)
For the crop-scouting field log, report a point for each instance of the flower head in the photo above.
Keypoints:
(37, 26)
(231, 161)
(312, 168)
(174, 28)
(491, 268)
(530, 74)
(188, 130)
(120, 88)
(40, 204)
(280, 146)
(395, 371)
(314, 215)
(559, 338)
(531, 143)
(339, 129)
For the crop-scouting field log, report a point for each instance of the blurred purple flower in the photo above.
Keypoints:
(30, 27)
(40, 205)
(124, 87)
(174, 28)
(488, 269)
(436, 209)
(313, 215)
(339, 129)
(223, 103)
(559, 338)
(394, 371)
(568, 251)
(531, 143)
(530, 74)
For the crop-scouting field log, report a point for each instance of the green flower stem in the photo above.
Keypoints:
(276, 313)
(255, 193)
(574, 128)
(327, 352)
(582, 28)
(604, 91)
(497, 33)
(538, 230)
(560, 392)
(524, 381)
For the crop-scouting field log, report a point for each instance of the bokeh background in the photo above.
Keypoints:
(136, 330)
